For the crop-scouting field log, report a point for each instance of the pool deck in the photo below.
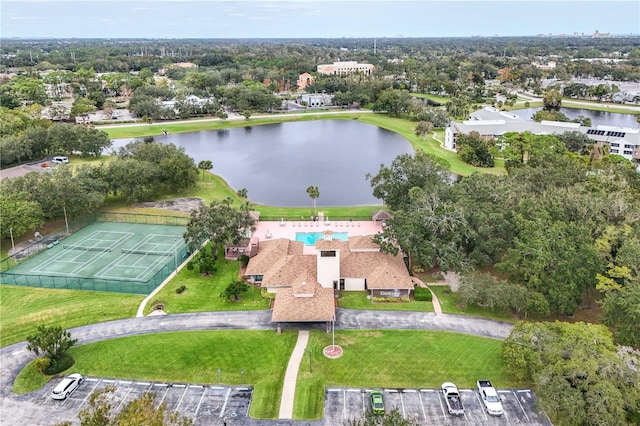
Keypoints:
(272, 230)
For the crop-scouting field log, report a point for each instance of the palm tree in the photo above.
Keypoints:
(205, 165)
(314, 193)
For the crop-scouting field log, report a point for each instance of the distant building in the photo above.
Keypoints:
(305, 79)
(491, 123)
(548, 66)
(345, 68)
(316, 100)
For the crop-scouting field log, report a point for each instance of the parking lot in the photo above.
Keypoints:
(427, 406)
(206, 405)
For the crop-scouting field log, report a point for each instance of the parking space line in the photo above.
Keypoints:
(125, 397)
(90, 393)
(200, 402)
(226, 399)
(333, 390)
(108, 381)
(186, 388)
(484, 410)
(424, 414)
(165, 394)
(444, 413)
(344, 404)
(521, 407)
(364, 406)
(124, 382)
(89, 379)
(150, 387)
(404, 413)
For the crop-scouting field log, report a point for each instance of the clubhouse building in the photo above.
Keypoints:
(306, 281)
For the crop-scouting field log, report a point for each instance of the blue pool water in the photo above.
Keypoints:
(310, 238)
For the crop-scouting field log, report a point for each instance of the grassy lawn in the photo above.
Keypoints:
(449, 304)
(203, 293)
(358, 300)
(395, 359)
(191, 357)
(23, 309)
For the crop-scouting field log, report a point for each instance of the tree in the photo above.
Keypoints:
(552, 99)
(474, 150)
(142, 411)
(314, 193)
(580, 376)
(205, 165)
(423, 128)
(51, 341)
(246, 114)
(19, 215)
(233, 291)
(82, 107)
(393, 101)
(242, 193)
(203, 262)
(392, 184)
(220, 223)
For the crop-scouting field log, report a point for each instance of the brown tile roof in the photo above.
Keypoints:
(382, 271)
(301, 303)
(363, 242)
(270, 252)
(291, 269)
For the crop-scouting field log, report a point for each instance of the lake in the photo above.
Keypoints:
(597, 117)
(277, 162)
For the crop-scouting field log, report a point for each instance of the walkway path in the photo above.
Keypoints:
(291, 376)
(434, 299)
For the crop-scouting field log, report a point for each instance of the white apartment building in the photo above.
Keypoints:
(345, 68)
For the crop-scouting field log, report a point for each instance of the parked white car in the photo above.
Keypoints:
(67, 386)
(490, 398)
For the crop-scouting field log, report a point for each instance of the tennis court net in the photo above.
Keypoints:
(148, 252)
(72, 247)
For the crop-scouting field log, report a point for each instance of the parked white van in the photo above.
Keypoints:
(60, 160)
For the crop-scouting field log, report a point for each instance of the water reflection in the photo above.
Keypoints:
(277, 162)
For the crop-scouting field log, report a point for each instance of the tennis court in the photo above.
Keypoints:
(105, 256)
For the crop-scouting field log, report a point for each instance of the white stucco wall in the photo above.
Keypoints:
(354, 284)
(328, 269)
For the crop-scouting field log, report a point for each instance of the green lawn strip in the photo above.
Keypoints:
(358, 300)
(449, 304)
(190, 357)
(23, 309)
(203, 293)
(396, 359)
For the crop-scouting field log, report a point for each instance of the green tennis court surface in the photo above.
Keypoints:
(105, 256)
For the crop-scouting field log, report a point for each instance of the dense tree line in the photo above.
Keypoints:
(46, 139)
(548, 225)
(581, 377)
(141, 171)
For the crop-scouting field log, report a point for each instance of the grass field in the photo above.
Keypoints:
(449, 304)
(396, 359)
(23, 309)
(372, 358)
(190, 357)
(203, 293)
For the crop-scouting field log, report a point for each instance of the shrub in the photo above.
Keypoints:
(42, 363)
(417, 269)
(181, 289)
(422, 294)
(391, 299)
(266, 295)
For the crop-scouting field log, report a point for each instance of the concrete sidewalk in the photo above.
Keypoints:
(291, 376)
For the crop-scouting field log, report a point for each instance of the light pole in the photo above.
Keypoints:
(13, 246)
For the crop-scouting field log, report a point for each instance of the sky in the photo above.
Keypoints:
(313, 19)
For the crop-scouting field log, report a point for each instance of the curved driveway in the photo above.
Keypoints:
(13, 358)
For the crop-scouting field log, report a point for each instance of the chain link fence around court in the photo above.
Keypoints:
(57, 238)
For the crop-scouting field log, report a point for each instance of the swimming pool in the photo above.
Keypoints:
(310, 238)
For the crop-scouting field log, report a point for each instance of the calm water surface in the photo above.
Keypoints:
(277, 162)
(597, 117)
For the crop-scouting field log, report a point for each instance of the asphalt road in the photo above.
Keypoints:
(13, 358)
